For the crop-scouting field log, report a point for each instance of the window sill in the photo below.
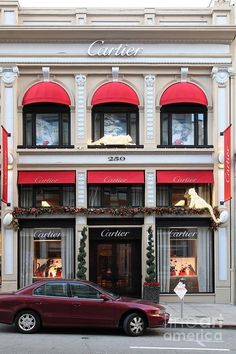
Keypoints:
(185, 146)
(46, 147)
(118, 146)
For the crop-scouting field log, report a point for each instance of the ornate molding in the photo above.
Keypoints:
(81, 106)
(81, 182)
(150, 105)
(221, 75)
(184, 74)
(9, 75)
(150, 185)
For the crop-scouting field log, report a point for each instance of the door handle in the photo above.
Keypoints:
(37, 303)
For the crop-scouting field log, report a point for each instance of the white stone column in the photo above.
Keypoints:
(8, 77)
(149, 101)
(80, 109)
(222, 116)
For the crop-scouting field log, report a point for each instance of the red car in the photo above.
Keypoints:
(77, 303)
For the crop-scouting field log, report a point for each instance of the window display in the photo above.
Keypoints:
(47, 129)
(185, 253)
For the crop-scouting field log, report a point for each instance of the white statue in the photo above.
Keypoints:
(114, 139)
(199, 203)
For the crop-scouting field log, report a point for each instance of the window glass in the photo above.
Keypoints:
(47, 196)
(84, 291)
(185, 253)
(52, 289)
(133, 127)
(47, 129)
(182, 129)
(115, 196)
(164, 136)
(29, 130)
(115, 124)
(200, 129)
(97, 127)
(65, 130)
(175, 194)
(94, 195)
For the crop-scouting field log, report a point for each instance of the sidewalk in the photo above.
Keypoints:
(194, 314)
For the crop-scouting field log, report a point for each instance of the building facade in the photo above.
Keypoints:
(115, 120)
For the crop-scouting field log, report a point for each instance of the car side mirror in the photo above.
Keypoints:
(104, 297)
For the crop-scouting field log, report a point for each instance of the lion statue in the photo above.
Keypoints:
(199, 203)
(113, 140)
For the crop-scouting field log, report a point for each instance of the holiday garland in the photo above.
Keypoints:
(122, 211)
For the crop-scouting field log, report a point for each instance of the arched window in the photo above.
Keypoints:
(115, 114)
(46, 116)
(184, 116)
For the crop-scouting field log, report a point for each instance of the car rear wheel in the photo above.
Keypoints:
(27, 322)
(134, 325)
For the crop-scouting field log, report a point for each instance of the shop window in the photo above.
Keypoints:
(115, 120)
(184, 125)
(46, 125)
(83, 291)
(52, 289)
(52, 195)
(45, 253)
(185, 253)
(115, 195)
(175, 194)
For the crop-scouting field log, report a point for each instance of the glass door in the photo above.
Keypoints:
(116, 266)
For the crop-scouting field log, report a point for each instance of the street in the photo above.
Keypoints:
(81, 341)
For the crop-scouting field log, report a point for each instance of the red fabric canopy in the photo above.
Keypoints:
(46, 92)
(115, 92)
(115, 177)
(187, 177)
(46, 177)
(183, 92)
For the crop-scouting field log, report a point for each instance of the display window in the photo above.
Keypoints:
(175, 194)
(185, 253)
(46, 125)
(115, 120)
(50, 195)
(46, 253)
(115, 195)
(184, 125)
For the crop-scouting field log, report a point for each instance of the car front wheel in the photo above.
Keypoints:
(134, 325)
(27, 322)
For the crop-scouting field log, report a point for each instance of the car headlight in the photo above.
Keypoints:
(162, 312)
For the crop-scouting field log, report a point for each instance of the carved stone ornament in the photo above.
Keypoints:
(221, 75)
(9, 75)
(80, 79)
(150, 80)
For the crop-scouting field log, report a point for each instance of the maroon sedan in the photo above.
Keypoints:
(77, 303)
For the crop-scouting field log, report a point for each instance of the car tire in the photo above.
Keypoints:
(27, 322)
(134, 325)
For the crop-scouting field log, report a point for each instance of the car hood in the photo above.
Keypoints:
(140, 301)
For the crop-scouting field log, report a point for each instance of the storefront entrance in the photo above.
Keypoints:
(115, 259)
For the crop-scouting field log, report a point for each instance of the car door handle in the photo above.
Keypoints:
(37, 303)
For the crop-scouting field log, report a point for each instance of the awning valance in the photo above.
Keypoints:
(115, 177)
(115, 92)
(46, 177)
(187, 177)
(183, 92)
(46, 92)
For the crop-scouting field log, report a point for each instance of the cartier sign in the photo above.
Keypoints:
(47, 234)
(183, 233)
(115, 233)
(100, 49)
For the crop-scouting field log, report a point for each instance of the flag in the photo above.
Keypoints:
(4, 168)
(227, 163)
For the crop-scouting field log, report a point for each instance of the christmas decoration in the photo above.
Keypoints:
(81, 269)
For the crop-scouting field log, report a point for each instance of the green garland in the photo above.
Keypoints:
(81, 269)
(122, 211)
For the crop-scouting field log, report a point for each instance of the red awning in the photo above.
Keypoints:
(46, 92)
(188, 177)
(46, 177)
(115, 92)
(183, 92)
(115, 177)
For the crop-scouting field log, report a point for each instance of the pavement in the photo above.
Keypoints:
(203, 315)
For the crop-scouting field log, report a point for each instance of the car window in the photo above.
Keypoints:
(84, 291)
(52, 289)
